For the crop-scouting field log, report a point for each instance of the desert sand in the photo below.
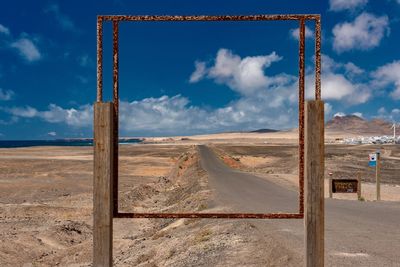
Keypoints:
(46, 201)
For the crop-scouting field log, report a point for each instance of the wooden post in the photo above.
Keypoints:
(102, 184)
(314, 215)
(359, 186)
(378, 176)
(330, 186)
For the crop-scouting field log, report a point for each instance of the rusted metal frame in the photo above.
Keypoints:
(318, 58)
(99, 97)
(301, 113)
(211, 215)
(301, 18)
(211, 18)
(116, 114)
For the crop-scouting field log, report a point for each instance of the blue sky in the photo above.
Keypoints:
(192, 77)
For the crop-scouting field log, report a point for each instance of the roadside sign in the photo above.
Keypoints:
(344, 185)
(372, 160)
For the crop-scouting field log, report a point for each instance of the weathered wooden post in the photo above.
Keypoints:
(330, 185)
(378, 175)
(102, 184)
(314, 214)
(359, 186)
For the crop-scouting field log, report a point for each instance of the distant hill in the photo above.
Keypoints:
(264, 131)
(356, 125)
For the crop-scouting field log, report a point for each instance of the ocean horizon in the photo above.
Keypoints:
(57, 142)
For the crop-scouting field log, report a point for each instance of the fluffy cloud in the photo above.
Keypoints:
(244, 75)
(80, 117)
(6, 95)
(340, 5)
(339, 82)
(175, 115)
(266, 101)
(27, 49)
(388, 74)
(294, 33)
(25, 112)
(4, 30)
(364, 33)
(199, 72)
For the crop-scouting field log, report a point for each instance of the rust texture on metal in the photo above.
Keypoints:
(211, 18)
(301, 113)
(99, 59)
(318, 59)
(212, 215)
(302, 18)
(116, 113)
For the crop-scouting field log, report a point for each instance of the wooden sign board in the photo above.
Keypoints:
(344, 185)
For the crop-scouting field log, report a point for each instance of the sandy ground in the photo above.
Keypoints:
(46, 202)
(282, 137)
(46, 212)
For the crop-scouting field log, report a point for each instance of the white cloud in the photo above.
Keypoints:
(25, 112)
(338, 83)
(52, 133)
(199, 72)
(65, 22)
(388, 74)
(74, 117)
(364, 33)
(6, 95)
(80, 117)
(358, 114)
(339, 114)
(340, 5)
(294, 33)
(4, 30)
(27, 49)
(265, 101)
(352, 69)
(245, 76)
(175, 115)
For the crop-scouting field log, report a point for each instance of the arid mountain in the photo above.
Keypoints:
(356, 125)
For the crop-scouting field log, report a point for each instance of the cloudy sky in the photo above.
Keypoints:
(192, 77)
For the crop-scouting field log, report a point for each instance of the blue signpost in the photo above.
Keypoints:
(372, 160)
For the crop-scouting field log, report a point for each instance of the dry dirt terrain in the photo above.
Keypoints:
(46, 203)
(46, 212)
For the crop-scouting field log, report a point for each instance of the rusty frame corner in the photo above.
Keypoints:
(302, 18)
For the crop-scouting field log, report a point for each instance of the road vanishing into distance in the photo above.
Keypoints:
(357, 233)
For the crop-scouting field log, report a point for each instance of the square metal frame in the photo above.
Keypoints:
(302, 18)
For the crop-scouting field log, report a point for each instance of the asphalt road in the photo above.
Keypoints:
(356, 233)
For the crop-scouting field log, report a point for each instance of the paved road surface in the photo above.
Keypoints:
(356, 233)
